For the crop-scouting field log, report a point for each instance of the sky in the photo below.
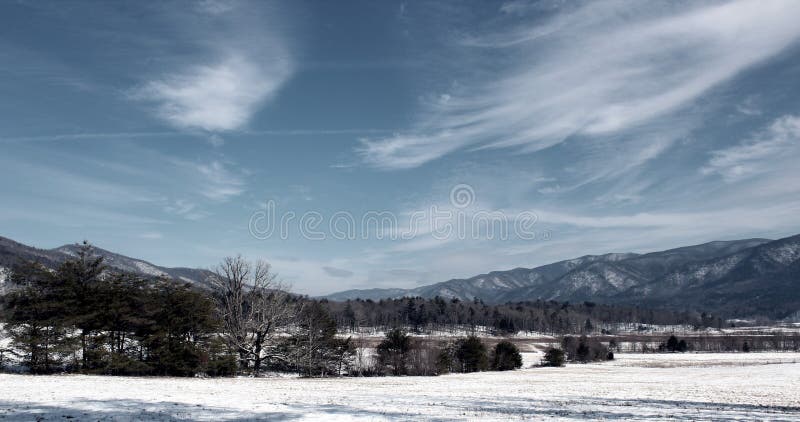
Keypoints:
(324, 137)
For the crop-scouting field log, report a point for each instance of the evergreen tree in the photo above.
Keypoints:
(315, 349)
(471, 354)
(180, 322)
(393, 351)
(506, 356)
(672, 343)
(35, 318)
(554, 357)
(445, 360)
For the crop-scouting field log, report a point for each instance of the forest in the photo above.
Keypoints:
(82, 317)
(543, 317)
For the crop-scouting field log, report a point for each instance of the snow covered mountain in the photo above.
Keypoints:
(741, 277)
(11, 252)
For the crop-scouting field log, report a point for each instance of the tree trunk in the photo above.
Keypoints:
(83, 349)
(257, 357)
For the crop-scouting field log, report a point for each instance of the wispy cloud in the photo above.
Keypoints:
(215, 97)
(221, 183)
(337, 272)
(151, 236)
(244, 64)
(186, 209)
(760, 154)
(600, 70)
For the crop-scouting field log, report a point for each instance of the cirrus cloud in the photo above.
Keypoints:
(602, 70)
(216, 97)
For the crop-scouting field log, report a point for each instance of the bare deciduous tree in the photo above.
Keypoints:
(254, 305)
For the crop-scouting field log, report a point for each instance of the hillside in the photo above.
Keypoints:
(12, 252)
(740, 277)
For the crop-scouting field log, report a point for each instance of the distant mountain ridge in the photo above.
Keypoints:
(12, 252)
(739, 277)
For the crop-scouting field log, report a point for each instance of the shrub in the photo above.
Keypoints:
(585, 349)
(672, 343)
(554, 357)
(506, 357)
(393, 352)
(471, 355)
(445, 361)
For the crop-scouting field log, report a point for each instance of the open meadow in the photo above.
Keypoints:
(633, 387)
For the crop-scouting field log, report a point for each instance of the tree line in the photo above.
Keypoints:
(400, 354)
(713, 343)
(82, 317)
(544, 317)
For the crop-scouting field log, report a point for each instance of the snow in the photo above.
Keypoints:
(785, 254)
(67, 250)
(148, 269)
(694, 386)
(707, 272)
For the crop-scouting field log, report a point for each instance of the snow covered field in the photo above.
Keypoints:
(678, 386)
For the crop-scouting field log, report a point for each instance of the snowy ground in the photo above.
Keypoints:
(670, 386)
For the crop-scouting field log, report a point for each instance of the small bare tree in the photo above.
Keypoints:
(253, 306)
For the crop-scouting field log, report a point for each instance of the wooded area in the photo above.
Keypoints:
(84, 318)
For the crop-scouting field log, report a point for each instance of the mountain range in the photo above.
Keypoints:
(12, 252)
(737, 278)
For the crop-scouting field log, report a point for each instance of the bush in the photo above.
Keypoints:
(471, 355)
(674, 345)
(554, 357)
(506, 357)
(585, 349)
(393, 352)
(445, 361)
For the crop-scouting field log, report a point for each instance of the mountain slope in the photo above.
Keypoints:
(605, 279)
(763, 279)
(741, 277)
(12, 252)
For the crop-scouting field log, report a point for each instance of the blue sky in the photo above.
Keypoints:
(157, 130)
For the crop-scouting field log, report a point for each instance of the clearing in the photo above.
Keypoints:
(634, 387)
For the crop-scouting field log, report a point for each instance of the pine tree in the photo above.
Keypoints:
(471, 355)
(35, 318)
(554, 357)
(672, 343)
(506, 356)
(393, 351)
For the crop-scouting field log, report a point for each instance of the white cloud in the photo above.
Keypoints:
(215, 7)
(337, 272)
(186, 209)
(216, 97)
(749, 107)
(151, 235)
(602, 70)
(216, 140)
(221, 184)
(760, 154)
(231, 71)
